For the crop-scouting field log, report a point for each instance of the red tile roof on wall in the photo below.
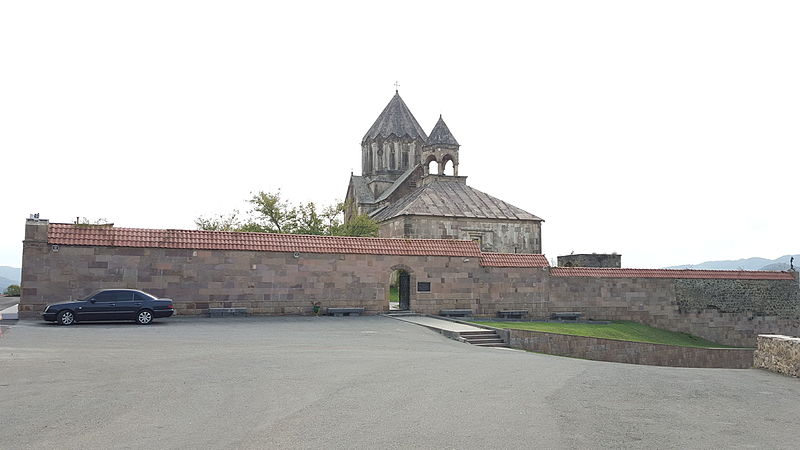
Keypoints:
(668, 273)
(513, 260)
(70, 234)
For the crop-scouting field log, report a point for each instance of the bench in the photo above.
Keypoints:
(227, 312)
(339, 312)
(455, 312)
(566, 316)
(512, 313)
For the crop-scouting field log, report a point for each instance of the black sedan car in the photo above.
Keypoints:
(110, 304)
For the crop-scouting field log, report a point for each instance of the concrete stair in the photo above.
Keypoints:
(486, 338)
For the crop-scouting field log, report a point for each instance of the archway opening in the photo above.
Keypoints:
(433, 167)
(449, 167)
(399, 290)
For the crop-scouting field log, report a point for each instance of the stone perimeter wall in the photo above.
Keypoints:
(269, 283)
(631, 352)
(779, 354)
(275, 283)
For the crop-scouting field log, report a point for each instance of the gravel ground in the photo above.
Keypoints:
(359, 382)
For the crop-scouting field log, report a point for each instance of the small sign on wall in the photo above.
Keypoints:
(424, 286)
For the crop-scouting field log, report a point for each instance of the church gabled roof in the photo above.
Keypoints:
(361, 191)
(452, 198)
(396, 119)
(441, 135)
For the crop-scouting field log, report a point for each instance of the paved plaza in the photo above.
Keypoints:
(359, 382)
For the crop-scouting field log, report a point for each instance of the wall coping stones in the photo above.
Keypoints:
(669, 273)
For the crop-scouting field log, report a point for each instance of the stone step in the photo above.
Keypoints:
(485, 341)
(501, 344)
(483, 338)
(478, 333)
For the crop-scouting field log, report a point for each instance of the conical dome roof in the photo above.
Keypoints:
(396, 119)
(441, 135)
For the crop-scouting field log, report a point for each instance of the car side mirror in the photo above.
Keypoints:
(92, 301)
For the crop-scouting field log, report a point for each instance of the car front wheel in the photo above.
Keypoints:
(65, 318)
(144, 317)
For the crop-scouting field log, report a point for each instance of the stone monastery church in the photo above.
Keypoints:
(448, 246)
(398, 189)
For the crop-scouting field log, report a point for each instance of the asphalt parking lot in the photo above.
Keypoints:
(359, 382)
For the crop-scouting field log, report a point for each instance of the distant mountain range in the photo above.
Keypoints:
(781, 263)
(9, 276)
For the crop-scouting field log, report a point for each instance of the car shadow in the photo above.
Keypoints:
(107, 323)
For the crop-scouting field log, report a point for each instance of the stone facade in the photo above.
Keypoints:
(522, 236)
(611, 350)
(779, 354)
(590, 260)
(396, 156)
(287, 282)
(269, 283)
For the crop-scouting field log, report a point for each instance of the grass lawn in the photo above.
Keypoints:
(622, 330)
(394, 294)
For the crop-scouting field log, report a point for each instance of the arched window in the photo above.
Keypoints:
(404, 159)
(433, 167)
(380, 159)
(448, 167)
(392, 160)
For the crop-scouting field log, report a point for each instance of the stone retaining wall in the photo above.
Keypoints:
(631, 352)
(779, 354)
(656, 302)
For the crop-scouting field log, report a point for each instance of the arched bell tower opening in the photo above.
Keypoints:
(432, 166)
(449, 166)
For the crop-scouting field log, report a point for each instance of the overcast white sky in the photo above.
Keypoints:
(664, 131)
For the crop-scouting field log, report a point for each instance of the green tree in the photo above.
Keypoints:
(272, 214)
(360, 225)
(13, 290)
(220, 222)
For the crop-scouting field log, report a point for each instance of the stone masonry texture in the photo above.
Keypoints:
(779, 354)
(590, 260)
(631, 352)
(519, 236)
(279, 283)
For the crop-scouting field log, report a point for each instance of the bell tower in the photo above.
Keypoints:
(440, 147)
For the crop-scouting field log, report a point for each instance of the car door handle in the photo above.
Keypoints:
(138, 304)
(112, 304)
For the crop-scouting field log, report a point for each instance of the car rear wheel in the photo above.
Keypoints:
(144, 317)
(65, 318)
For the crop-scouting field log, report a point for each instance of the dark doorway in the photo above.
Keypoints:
(400, 291)
(405, 291)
